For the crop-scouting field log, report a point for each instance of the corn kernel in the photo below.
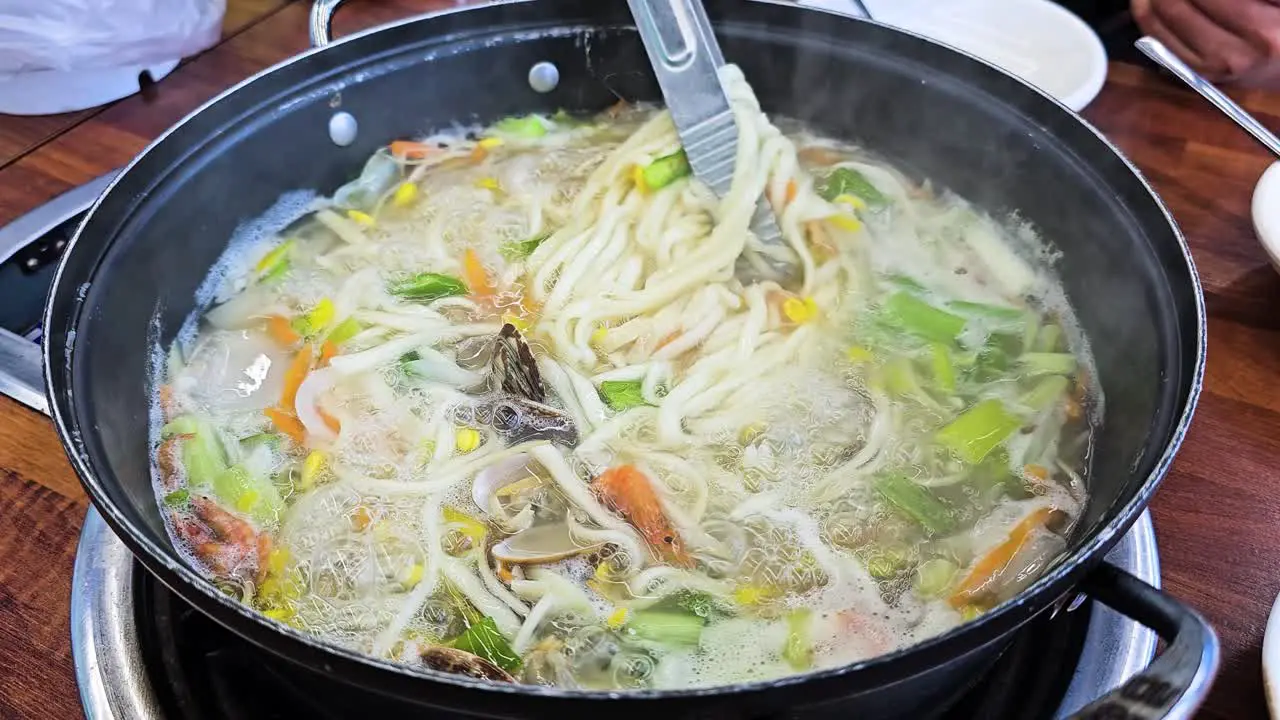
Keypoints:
(405, 195)
(846, 222)
(361, 518)
(311, 468)
(800, 311)
(414, 576)
(321, 316)
(750, 594)
(488, 183)
(362, 218)
(247, 500)
(859, 354)
(283, 615)
(751, 433)
(516, 321)
(276, 560)
(616, 618)
(490, 143)
(852, 201)
(466, 439)
(637, 176)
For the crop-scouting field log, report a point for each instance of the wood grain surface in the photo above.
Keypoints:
(1217, 515)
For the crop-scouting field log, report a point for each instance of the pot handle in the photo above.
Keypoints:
(320, 24)
(1175, 684)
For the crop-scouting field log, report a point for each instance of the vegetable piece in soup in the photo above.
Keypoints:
(530, 404)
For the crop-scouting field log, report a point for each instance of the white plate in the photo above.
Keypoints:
(1266, 222)
(1034, 39)
(1271, 649)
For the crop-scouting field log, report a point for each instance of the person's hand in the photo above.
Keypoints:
(1224, 40)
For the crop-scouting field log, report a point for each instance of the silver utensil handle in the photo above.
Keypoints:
(686, 60)
(1164, 57)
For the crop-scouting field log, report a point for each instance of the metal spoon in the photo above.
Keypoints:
(1157, 51)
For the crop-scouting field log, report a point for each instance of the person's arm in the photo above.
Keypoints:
(1225, 40)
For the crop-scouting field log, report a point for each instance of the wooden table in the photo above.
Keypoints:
(1217, 515)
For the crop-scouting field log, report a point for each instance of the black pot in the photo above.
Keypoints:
(128, 280)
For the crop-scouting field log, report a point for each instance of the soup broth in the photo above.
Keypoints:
(530, 403)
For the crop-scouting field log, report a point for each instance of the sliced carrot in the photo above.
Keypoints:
(279, 328)
(330, 421)
(264, 552)
(1038, 472)
(474, 274)
(1073, 409)
(991, 565)
(478, 154)
(792, 190)
(294, 376)
(328, 351)
(625, 489)
(410, 150)
(287, 423)
(818, 156)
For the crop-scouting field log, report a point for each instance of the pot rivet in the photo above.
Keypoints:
(544, 77)
(342, 128)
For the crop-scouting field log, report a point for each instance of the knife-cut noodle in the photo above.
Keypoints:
(530, 403)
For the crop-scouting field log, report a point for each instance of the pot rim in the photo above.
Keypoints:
(1001, 619)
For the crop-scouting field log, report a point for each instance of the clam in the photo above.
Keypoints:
(541, 544)
(461, 662)
(499, 475)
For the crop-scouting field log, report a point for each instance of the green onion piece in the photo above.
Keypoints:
(843, 181)
(181, 425)
(529, 126)
(622, 394)
(178, 498)
(202, 455)
(669, 628)
(345, 330)
(920, 318)
(1039, 363)
(915, 502)
(666, 170)
(702, 604)
(944, 373)
(1045, 392)
(798, 649)
(522, 248)
(428, 286)
(485, 640)
(1048, 339)
(243, 492)
(271, 440)
(905, 282)
(275, 263)
(933, 577)
(978, 430)
(316, 320)
(994, 312)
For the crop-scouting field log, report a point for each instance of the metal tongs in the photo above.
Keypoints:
(686, 59)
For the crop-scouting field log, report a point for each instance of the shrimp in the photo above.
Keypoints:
(228, 545)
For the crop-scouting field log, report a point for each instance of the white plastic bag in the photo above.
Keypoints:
(71, 35)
